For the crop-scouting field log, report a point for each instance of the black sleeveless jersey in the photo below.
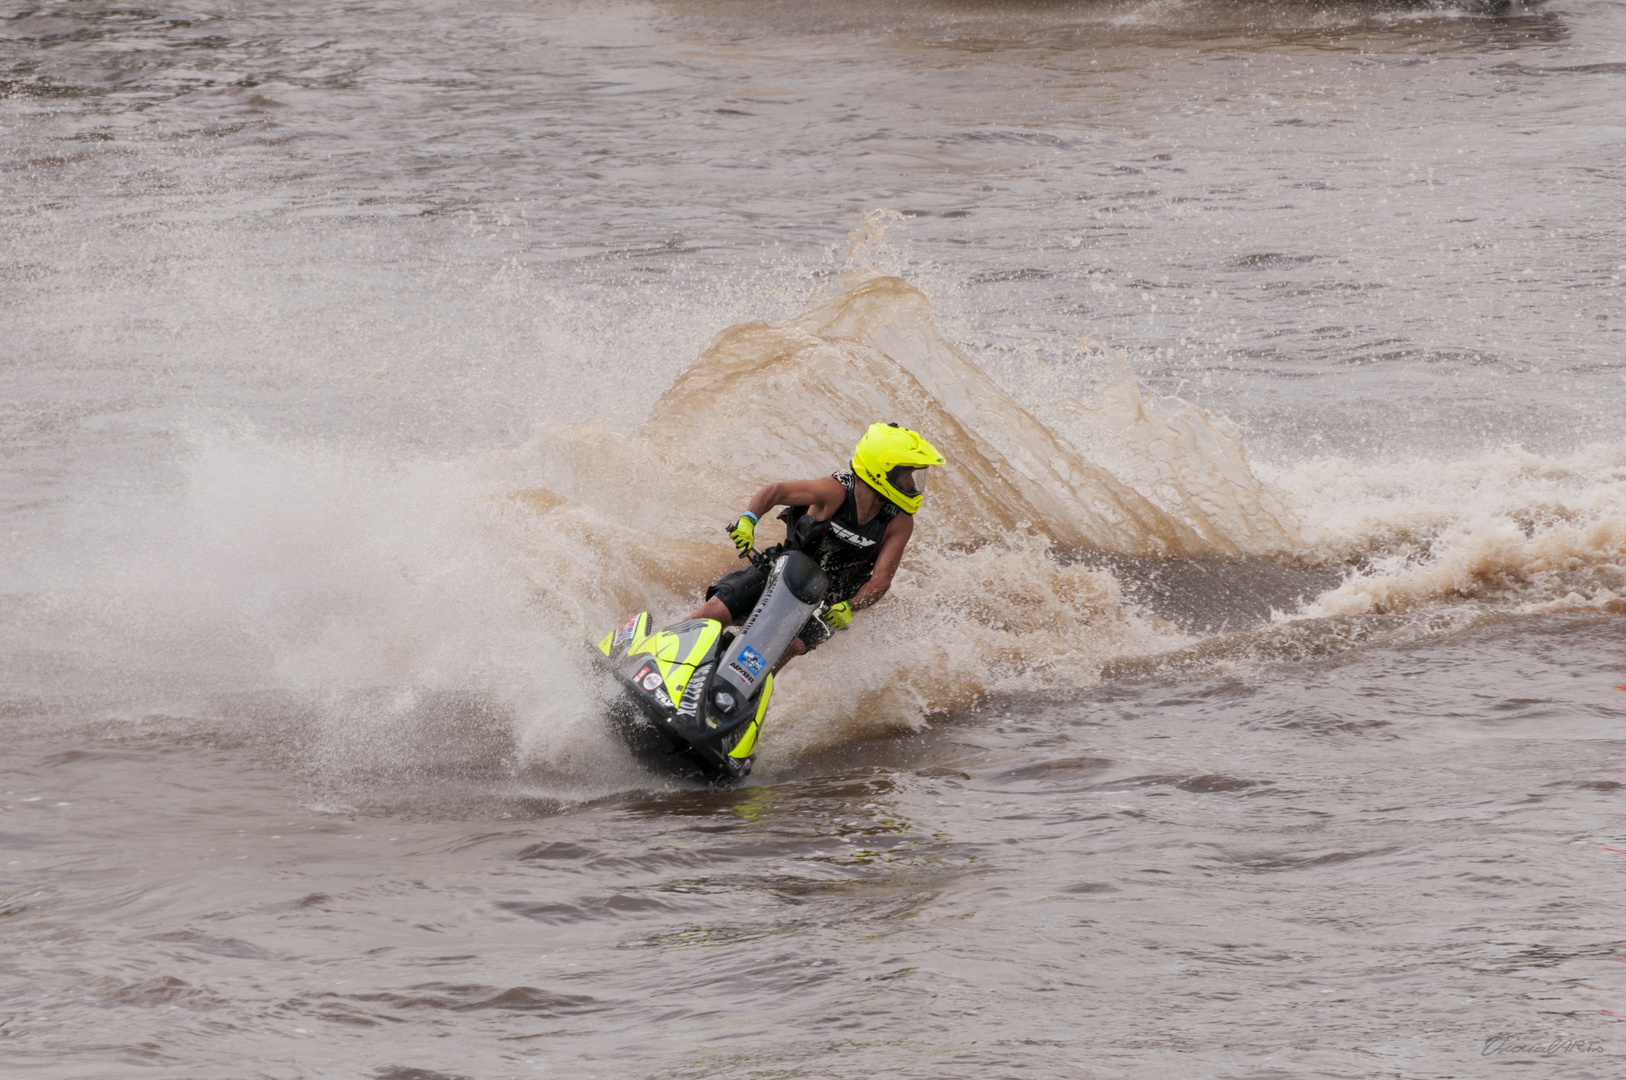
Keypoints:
(845, 549)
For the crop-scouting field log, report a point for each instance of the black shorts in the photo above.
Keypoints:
(740, 592)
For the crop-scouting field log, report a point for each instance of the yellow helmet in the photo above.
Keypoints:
(893, 460)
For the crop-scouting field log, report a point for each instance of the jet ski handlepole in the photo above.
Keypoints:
(758, 559)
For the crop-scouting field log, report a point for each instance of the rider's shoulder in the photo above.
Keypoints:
(820, 491)
(835, 485)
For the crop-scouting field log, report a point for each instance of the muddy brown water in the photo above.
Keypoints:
(1249, 707)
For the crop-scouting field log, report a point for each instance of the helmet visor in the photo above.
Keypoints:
(909, 479)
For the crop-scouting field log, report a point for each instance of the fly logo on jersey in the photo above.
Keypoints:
(851, 537)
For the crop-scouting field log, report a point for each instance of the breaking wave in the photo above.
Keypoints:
(993, 594)
(1023, 574)
(1042, 560)
(1508, 528)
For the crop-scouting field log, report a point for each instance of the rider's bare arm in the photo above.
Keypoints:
(886, 563)
(822, 497)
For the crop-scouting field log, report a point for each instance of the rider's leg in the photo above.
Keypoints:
(714, 609)
(733, 597)
(796, 649)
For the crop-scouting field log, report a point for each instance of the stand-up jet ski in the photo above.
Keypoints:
(696, 692)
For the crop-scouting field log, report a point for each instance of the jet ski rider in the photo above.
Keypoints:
(855, 524)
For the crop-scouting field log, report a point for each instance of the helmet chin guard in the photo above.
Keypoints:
(893, 460)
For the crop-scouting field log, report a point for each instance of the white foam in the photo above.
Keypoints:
(371, 591)
(1506, 527)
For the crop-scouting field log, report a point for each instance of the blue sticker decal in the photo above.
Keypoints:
(752, 660)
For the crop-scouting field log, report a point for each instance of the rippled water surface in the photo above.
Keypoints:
(1248, 704)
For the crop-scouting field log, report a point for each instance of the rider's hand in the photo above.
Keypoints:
(744, 532)
(839, 616)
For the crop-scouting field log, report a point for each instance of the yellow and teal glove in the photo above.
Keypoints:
(839, 616)
(744, 532)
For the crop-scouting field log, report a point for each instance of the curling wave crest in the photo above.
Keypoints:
(1069, 540)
